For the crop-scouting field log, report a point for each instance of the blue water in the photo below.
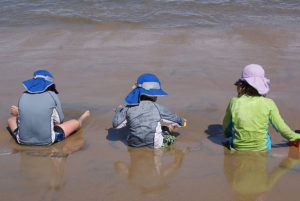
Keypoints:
(151, 13)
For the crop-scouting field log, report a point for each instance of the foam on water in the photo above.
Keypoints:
(158, 13)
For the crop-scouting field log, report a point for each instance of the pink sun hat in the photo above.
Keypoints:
(254, 75)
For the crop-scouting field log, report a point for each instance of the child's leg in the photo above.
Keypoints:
(12, 123)
(73, 125)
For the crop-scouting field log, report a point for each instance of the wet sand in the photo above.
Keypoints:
(94, 68)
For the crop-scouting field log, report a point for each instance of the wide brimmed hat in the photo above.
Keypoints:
(254, 75)
(41, 80)
(147, 84)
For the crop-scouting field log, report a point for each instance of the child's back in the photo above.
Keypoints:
(38, 119)
(143, 121)
(143, 116)
(251, 116)
(248, 115)
(37, 113)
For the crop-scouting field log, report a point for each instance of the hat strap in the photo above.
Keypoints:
(44, 77)
(149, 85)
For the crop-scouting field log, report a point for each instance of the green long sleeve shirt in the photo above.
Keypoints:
(247, 121)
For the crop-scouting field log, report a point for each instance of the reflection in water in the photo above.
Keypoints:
(46, 166)
(150, 169)
(247, 173)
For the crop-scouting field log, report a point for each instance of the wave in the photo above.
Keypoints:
(157, 13)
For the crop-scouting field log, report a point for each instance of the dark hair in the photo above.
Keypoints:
(52, 88)
(244, 88)
(149, 98)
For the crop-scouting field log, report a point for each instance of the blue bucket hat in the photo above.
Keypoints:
(41, 80)
(147, 84)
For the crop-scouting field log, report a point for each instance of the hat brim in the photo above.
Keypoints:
(153, 92)
(37, 85)
(262, 85)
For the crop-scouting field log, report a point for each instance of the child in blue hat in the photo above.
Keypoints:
(38, 119)
(143, 115)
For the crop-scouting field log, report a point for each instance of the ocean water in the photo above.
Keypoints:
(151, 13)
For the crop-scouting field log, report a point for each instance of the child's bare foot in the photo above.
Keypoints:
(84, 116)
(14, 110)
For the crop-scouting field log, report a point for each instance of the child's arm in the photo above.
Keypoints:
(227, 121)
(60, 115)
(119, 120)
(279, 124)
(169, 117)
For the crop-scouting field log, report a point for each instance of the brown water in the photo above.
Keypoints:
(94, 68)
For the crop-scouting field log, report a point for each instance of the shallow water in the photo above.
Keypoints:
(95, 65)
(155, 14)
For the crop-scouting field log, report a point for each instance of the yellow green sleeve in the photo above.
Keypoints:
(227, 121)
(279, 124)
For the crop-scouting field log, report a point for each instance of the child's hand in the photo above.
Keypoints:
(295, 143)
(171, 128)
(14, 110)
(119, 106)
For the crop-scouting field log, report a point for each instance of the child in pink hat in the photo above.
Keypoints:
(248, 115)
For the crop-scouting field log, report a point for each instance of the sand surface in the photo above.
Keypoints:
(94, 68)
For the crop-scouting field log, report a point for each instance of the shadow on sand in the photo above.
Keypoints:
(118, 135)
(215, 134)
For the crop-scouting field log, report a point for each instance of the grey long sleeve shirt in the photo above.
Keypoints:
(143, 120)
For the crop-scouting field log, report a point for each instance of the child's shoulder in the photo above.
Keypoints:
(158, 105)
(261, 99)
(269, 102)
(233, 99)
(266, 100)
(143, 104)
(152, 104)
(50, 92)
